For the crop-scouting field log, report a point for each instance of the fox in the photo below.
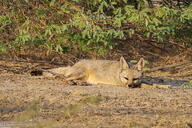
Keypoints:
(107, 72)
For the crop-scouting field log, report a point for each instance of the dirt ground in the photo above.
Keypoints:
(34, 101)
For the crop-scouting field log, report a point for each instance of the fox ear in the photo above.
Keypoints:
(123, 63)
(140, 64)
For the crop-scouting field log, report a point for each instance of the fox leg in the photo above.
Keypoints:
(77, 78)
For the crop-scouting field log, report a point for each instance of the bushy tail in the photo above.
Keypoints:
(55, 71)
(51, 72)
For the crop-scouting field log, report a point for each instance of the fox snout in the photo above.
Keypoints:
(135, 82)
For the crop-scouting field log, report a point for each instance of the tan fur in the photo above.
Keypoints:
(108, 72)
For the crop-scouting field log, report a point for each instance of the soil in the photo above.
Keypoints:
(34, 101)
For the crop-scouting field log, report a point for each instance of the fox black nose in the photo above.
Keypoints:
(135, 83)
(131, 85)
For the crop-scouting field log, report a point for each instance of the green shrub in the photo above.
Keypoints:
(91, 25)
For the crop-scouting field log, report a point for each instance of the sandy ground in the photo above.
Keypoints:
(27, 101)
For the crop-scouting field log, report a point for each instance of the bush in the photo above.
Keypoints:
(89, 25)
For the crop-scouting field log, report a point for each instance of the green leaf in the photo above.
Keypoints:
(52, 3)
(113, 3)
(147, 34)
(156, 21)
(26, 24)
(49, 47)
(146, 22)
(146, 69)
(101, 50)
(133, 61)
(3, 48)
(125, 1)
(58, 48)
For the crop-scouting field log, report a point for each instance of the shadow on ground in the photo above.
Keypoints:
(162, 81)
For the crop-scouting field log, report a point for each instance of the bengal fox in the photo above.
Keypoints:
(117, 73)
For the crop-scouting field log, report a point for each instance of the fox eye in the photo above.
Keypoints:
(126, 78)
(135, 78)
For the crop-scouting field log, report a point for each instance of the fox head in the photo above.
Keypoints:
(130, 75)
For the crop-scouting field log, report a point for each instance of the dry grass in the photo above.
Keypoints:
(30, 111)
(94, 100)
